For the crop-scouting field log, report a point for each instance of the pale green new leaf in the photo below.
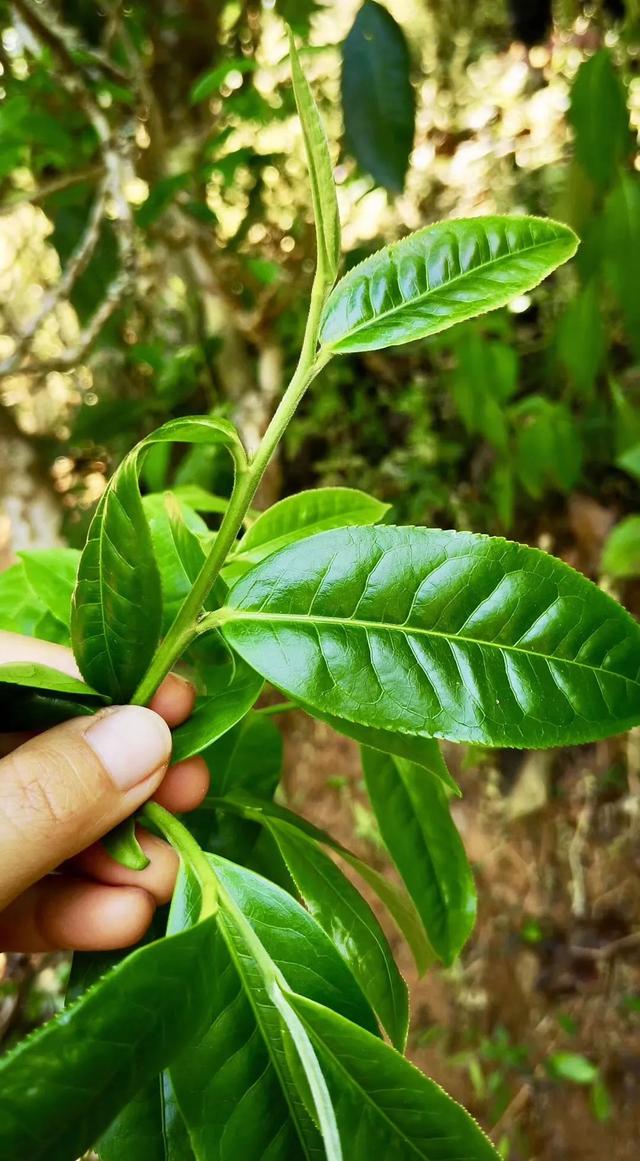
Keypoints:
(621, 552)
(440, 634)
(323, 192)
(302, 515)
(21, 611)
(413, 814)
(51, 573)
(440, 276)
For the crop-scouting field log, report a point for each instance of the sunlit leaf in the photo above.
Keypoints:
(443, 634)
(440, 276)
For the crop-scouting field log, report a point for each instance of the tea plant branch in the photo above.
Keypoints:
(186, 846)
(281, 707)
(185, 627)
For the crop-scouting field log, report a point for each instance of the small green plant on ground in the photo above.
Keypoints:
(253, 1026)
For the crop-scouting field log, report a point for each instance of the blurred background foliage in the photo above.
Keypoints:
(156, 243)
(156, 246)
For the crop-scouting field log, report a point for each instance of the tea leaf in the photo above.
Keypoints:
(51, 573)
(395, 899)
(303, 515)
(443, 634)
(440, 276)
(323, 191)
(41, 677)
(117, 607)
(149, 1128)
(349, 921)
(63, 1085)
(415, 823)
(253, 1107)
(216, 714)
(21, 611)
(377, 96)
(384, 1105)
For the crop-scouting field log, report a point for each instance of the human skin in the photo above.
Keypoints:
(61, 790)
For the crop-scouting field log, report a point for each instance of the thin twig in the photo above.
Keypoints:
(45, 26)
(513, 1109)
(57, 185)
(609, 950)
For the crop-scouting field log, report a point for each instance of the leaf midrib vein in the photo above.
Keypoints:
(415, 631)
(419, 299)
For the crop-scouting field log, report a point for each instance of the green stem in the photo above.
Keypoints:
(188, 849)
(282, 707)
(184, 627)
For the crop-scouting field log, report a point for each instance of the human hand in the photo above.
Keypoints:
(61, 791)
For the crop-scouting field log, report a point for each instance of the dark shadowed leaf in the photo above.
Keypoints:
(413, 814)
(63, 1086)
(377, 97)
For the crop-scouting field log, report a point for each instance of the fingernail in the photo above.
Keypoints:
(131, 742)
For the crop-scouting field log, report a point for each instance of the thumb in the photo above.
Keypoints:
(63, 790)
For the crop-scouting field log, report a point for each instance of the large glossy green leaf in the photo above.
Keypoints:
(440, 276)
(323, 192)
(295, 942)
(300, 516)
(235, 1087)
(280, 820)
(443, 634)
(51, 573)
(347, 918)
(377, 96)
(117, 605)
(289, 1047)
(218, 712)
(63, 1086)
(227, 1088)
(384, 1106)
(413, 814)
